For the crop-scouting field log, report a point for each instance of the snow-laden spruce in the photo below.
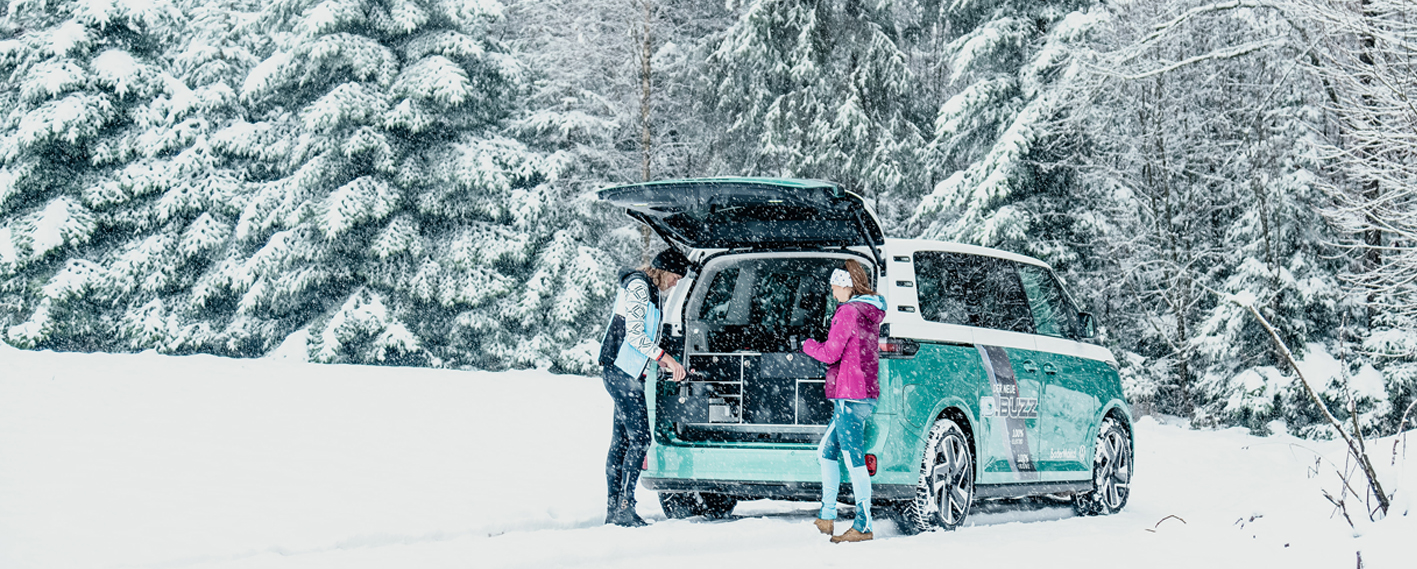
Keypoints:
(194, 176)
(823, 90)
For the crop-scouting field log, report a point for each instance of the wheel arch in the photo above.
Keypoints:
(1118, 411)
(954, 410)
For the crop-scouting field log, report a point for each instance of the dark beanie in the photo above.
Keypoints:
(672, 261)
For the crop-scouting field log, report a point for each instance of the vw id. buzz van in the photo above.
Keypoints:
(990, 387)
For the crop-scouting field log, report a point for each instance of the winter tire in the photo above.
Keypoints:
(681, 505)
(946, 488)
(1111, 472)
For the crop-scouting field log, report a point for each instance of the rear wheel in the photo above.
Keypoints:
(1111, 472)
(680, 505)
(946, 488)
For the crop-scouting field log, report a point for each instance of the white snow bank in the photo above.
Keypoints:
(201, 462)
(295, 347)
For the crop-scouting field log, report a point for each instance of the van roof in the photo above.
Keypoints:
(894, 245)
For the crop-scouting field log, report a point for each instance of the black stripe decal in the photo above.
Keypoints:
(1006, 395)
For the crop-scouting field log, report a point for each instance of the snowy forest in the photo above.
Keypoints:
(410, 182)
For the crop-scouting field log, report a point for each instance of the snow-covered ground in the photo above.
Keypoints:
(203, 462)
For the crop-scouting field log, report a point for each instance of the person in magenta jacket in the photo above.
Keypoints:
(850, 353)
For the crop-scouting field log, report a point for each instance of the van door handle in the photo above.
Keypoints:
(1050, 369)
(1029, 366)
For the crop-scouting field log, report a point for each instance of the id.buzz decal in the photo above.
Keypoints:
(1007, 404)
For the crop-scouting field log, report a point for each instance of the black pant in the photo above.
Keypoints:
(628, 440)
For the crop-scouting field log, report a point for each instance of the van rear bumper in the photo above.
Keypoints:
(811, 491)
(755, 489)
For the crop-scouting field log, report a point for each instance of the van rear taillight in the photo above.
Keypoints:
(898, 348)
(870, 465)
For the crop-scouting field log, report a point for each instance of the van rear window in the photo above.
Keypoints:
(971, 290)
(765, 304)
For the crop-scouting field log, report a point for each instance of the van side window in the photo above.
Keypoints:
(972, 290)
(1052, 313)
(720, 296)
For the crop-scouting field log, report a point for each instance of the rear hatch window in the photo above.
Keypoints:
(762, 213)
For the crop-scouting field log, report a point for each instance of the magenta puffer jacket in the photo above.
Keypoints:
(851, 351)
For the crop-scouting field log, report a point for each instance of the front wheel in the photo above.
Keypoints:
(681, 505)
(946, 487)
(1111, 472)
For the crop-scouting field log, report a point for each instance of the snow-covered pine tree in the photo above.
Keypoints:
(210, 176)
(995, 150)
(820, 89)
(585, 76)
(389, 200)
(111, 197)
(581, 86)
(1202, 147)
(1364, 54)
(586, 96)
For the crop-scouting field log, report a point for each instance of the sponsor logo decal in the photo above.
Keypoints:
(1006, 404)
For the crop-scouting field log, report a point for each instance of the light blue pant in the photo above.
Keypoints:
(844, 438)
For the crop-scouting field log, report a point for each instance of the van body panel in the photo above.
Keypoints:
(669, 459)
(1069, 404)
(1074, 348)
(905, 247)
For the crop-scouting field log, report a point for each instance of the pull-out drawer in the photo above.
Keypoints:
(758, 396)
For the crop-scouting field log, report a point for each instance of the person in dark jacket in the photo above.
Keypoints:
(850, 353)
(630, 343)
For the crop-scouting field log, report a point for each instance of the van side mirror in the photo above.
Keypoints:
(1087, 325)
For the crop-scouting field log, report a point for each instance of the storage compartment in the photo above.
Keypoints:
(744, 328)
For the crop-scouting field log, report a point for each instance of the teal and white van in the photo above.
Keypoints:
(990, 387)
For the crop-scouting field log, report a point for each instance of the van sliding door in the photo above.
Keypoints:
(985, 293)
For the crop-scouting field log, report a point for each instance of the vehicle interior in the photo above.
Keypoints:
(743, 335)
(762, 305)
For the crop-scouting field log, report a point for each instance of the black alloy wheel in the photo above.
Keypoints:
(945, 491)
(1111, 472)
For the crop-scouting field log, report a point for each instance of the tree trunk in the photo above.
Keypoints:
(1372, 189)
(646, 140)
(646, 52)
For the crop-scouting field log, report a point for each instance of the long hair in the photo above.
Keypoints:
(860, 281)
(656, 276)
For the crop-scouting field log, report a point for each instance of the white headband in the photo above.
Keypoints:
(841, 278)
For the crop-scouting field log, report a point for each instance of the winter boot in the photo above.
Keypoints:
(853, 535)
(824, 526)
(612, 509)
(625, 516)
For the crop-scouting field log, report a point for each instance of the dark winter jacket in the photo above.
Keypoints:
(630, 340)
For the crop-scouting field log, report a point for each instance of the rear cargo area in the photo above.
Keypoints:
(744, 323)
